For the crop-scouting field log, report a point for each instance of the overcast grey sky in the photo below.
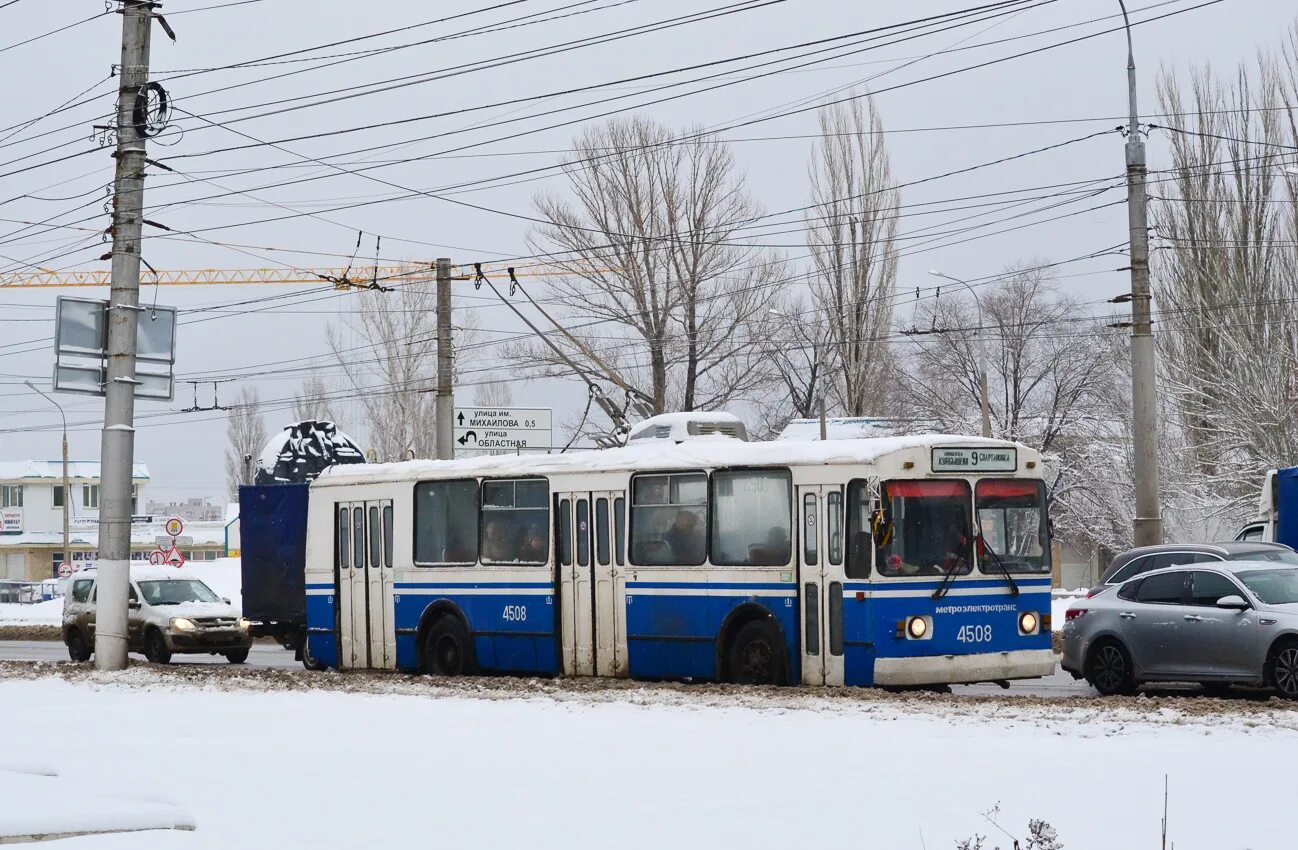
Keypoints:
(1083, 84)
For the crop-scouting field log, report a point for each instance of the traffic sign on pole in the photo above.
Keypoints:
(503, 430)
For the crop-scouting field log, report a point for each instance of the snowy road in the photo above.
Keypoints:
(268, 657)
(261, 656)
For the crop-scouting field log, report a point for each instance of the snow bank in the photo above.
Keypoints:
(535, 773)
(37, 803)
(49, 613)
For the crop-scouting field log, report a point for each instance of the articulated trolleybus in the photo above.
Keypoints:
(691, 554)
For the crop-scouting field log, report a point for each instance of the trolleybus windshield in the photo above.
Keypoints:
(924, 529)
(1012, 521)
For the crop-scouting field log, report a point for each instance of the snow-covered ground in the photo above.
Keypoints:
(220, 575)
(649, 767)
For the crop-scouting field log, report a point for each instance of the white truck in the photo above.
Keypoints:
(1263, 526)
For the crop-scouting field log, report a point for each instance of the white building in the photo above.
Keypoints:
(31, 520)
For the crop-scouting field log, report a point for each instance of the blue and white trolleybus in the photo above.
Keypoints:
(691, 554)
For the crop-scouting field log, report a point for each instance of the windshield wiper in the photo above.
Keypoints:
(947, 578)
(1014, 588)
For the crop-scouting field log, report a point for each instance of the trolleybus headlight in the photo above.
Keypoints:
(916, 627)
(1028, 623)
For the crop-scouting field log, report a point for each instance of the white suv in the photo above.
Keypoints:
(170, 612)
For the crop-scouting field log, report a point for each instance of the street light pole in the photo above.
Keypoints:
(982, 355)
(1148, 525)
(67, 495)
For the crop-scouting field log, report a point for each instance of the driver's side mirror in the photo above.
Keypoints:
(1233, 602)
(133, 604)
(225, 599)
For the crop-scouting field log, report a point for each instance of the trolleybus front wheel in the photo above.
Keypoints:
(756, 655)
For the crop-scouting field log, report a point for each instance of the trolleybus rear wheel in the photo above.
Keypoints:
(447, 648)
(756, 655)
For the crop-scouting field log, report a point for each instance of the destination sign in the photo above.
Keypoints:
(501, 430)
(980, 459)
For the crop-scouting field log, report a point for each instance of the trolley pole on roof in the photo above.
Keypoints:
(1148, 524)
(118, 446)
(445, 364)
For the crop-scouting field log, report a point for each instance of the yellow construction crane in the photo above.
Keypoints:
(341, 278)
(356, 277)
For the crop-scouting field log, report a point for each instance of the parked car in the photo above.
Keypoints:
(1216, 623)
(169, 612)
(1144, 559)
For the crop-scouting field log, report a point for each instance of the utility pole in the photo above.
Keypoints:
(445, 364)
(1148, 525)
(118, 447)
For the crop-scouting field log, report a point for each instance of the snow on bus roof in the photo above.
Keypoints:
(659, 454)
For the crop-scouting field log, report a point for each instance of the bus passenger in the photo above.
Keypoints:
(495, 548)
(533, 549)
(685, 538)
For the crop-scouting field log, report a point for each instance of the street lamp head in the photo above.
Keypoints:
(936, 273)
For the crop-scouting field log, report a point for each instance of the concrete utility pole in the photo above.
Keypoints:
(67, 493)
(445, 364)
(982, 355)
(118, 447)
(1148, 526)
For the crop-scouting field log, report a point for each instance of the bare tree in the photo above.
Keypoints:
(795, 344)
(1044, 372)
(851, 229)
(493, 394)
(246, 433)
(1226, 276)
(650, 253)
(393, 372)
(314, 402)
(1052, 385)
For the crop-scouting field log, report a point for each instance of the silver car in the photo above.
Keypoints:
(1218, 624)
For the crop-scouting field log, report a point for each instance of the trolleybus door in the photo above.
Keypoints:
(365, 588)
(351, 591)
(820, 583)
(609, 558)
(378, 581)
(575, 584)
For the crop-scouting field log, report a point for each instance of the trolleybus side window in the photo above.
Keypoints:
(376, 545)
(751, 517)
(859, 545)
(601, 532)
(924, 528)
(583, 532)
(1012, 522)
(516, 521)
(669, 519)
(387, 535)
(446, 522)
(565, 532)
(834, 527)
(344, 537)
(619, 530)
(358, 538)
(810, 553)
